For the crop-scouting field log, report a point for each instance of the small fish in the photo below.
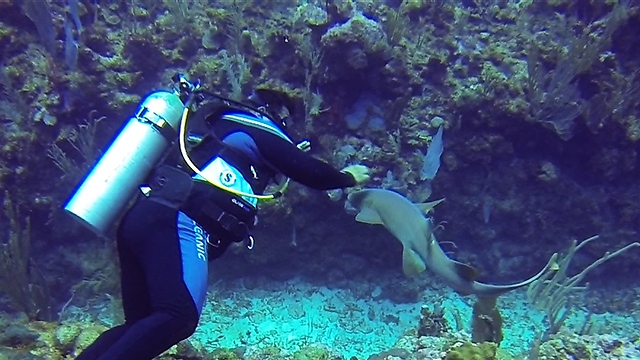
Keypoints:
(73, 10)
(70, 47)
(431, 162)
(486, 210)
(294, 237)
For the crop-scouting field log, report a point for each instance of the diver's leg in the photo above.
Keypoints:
(175, 266)
(135, 296)
(136, 302)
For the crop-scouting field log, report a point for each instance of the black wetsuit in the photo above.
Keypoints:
(163, 252)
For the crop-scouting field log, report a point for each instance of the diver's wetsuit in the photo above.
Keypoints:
(162, 251)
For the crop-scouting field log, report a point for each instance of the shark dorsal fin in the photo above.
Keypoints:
(412, 264)
(467, 272)
(427, 207)
(369, 216)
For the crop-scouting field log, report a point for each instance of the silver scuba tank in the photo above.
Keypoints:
(112, 183)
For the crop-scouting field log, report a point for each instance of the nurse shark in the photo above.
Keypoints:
(406, 221)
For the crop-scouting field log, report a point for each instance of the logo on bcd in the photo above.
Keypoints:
(227, 178)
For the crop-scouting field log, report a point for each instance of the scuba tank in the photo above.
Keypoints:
(114, 180)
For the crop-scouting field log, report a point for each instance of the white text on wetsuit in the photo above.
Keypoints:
(200, 247)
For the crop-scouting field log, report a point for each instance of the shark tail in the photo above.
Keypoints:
(552, 265)
(466, 272)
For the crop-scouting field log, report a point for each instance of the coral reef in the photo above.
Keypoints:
(432, 323)
(20, 277)
(538, 101)
(569, 345)
(553, 292)
(464, 351)
(486, 322)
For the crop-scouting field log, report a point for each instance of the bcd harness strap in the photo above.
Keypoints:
(158, 122)
(210, 207)
(232, 224)
(225, 215)
(201, 153)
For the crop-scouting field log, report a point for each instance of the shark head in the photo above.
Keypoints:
(354, 201)
(402, 218)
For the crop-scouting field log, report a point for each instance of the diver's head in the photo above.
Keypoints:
(277, 104)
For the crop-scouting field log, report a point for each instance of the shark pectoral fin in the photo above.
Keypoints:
(412, 264)
(426, 208)
(466, 272)
(369, 216)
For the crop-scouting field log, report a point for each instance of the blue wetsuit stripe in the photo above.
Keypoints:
(193, 248)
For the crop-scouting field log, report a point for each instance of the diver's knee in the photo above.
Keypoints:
(186, 329)
(187, 325)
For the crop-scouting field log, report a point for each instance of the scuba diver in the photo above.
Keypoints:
(199, 200)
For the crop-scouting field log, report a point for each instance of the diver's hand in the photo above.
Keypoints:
(360, 173)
